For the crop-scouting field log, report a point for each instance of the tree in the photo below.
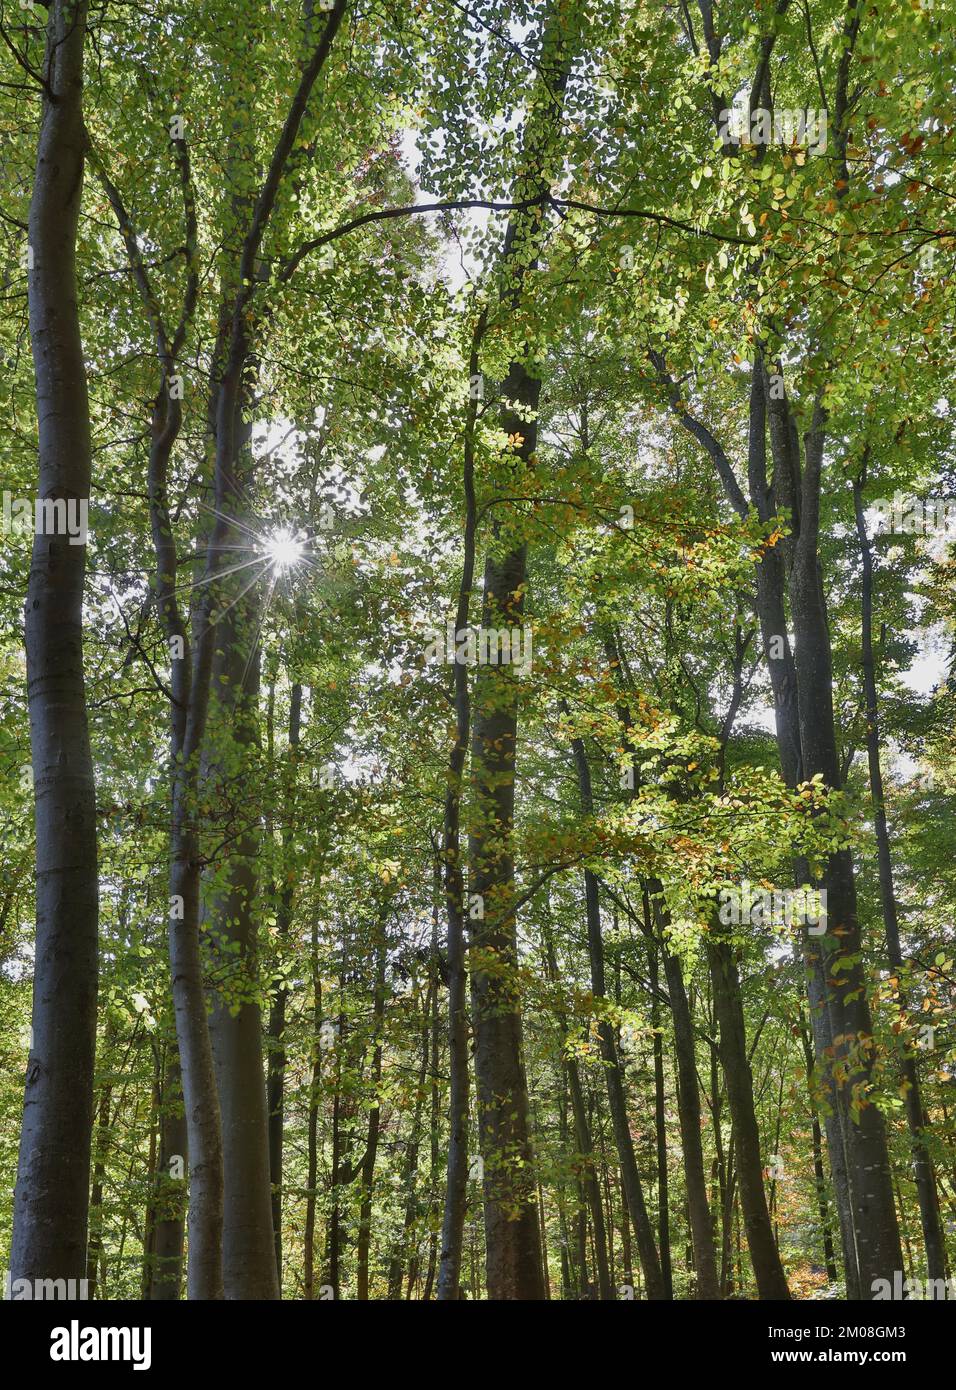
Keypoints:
(52, 1191)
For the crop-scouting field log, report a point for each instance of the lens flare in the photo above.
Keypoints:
(283, 550)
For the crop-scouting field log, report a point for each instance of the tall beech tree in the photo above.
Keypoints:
(512, 1236)
(52, 1186)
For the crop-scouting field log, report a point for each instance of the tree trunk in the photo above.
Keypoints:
(826, 1234)
(512, 1238)
(456, 1191)
(95, 1246)
(363, 1245)
(592, 1188)
(617, 1100)
(735, 1063)
(51, 1199)
(276, 1055)
(786, 493)
(231, 359)
(513, 1246)
(930, 1221)
(410, 1229)
(585, 1146)
(688, 1109)
(702, 1231)
(248, 1245)
(169, 1194)
(312, 1141)
(660, 1128)
(434, 1109)
(875, 1224)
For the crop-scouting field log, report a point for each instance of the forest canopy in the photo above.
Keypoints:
(477, 661)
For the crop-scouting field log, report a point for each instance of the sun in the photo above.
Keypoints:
(283, 550)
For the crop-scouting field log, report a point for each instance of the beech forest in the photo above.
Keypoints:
(477, 652)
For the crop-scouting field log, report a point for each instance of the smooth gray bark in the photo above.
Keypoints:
(51, 1199)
